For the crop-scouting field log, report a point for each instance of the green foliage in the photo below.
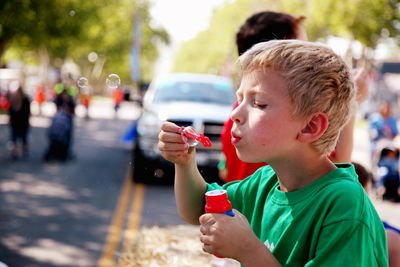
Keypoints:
(212, 49)
(74, 28)
(362, 20)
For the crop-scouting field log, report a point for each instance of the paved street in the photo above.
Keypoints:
(80, 213)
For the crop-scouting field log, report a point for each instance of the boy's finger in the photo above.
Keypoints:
(170, 137)
(207, 218)
(205, 239)
(205, 229)
(170, 146)
(170, 127)
(207, 249)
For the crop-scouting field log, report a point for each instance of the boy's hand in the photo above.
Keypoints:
(172, 145)
(228, 236)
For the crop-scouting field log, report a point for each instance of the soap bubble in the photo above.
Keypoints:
(113, 81)
(82, 83)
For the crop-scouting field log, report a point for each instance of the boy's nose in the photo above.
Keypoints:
(235, 114)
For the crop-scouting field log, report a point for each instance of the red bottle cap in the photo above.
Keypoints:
(217, 201)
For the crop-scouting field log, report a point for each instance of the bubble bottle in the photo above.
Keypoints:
(217, 202)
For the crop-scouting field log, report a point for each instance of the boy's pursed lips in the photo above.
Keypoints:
(235, 138)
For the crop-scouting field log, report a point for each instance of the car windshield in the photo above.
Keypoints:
(219, 93)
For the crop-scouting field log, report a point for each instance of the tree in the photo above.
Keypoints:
(214, 48)
(364, 20)
(367, 21)
(72, 29)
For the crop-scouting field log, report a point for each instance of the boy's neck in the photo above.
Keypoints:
(300, 172)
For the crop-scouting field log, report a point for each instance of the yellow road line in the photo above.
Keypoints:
(135, 216)
(115, 229)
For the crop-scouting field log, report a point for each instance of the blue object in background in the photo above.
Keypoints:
(130, 135)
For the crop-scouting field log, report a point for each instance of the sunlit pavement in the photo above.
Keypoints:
(55, 214)
(102, 108)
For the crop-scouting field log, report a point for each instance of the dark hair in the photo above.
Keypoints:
(364, 176)
(265, 26)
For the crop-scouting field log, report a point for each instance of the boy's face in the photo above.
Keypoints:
(264, 128)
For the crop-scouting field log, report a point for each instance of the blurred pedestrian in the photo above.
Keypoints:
(85, 100)
(118, 97)
(40, 97)
(4, 103)
(382, 125)
(65, 102)
(59, 135)
(388, 172)
(60, 132)
(19, 113)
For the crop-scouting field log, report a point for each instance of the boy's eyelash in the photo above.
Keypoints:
(258, 105)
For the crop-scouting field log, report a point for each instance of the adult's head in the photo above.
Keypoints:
(267, 25)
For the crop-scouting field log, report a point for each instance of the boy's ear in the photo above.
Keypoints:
(314, 129)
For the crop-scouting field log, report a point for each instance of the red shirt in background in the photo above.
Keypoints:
(236, 169)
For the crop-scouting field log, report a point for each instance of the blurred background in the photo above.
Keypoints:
(83, 208)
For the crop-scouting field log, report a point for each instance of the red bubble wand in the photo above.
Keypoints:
(189, 132)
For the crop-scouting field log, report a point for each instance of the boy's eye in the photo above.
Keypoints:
(259, 105)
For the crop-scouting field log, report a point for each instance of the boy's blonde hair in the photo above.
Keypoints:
(317, 80)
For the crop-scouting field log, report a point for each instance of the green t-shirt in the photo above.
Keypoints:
(330, 222)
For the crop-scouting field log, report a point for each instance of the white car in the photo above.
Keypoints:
(202, 101)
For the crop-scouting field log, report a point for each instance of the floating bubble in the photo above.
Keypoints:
(92, 57)
(82, 83)
(113, 81)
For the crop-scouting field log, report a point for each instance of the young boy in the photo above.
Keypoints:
(301, 210)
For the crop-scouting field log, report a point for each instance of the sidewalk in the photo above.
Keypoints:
(99, 108)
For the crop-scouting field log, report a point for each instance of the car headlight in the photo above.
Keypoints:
(149, 125)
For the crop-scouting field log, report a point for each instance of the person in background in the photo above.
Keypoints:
(382, 125)
(65, 102)
(65, 114)
(118, 97)
(19, 113)
(388, 172)
(393, 233)
(85, 99)
(4, 103)
(261, 27)
(40, 97)
(301, 209)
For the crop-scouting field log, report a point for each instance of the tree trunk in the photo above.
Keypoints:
(3, 46)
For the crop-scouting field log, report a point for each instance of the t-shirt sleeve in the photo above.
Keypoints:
(346, 243)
